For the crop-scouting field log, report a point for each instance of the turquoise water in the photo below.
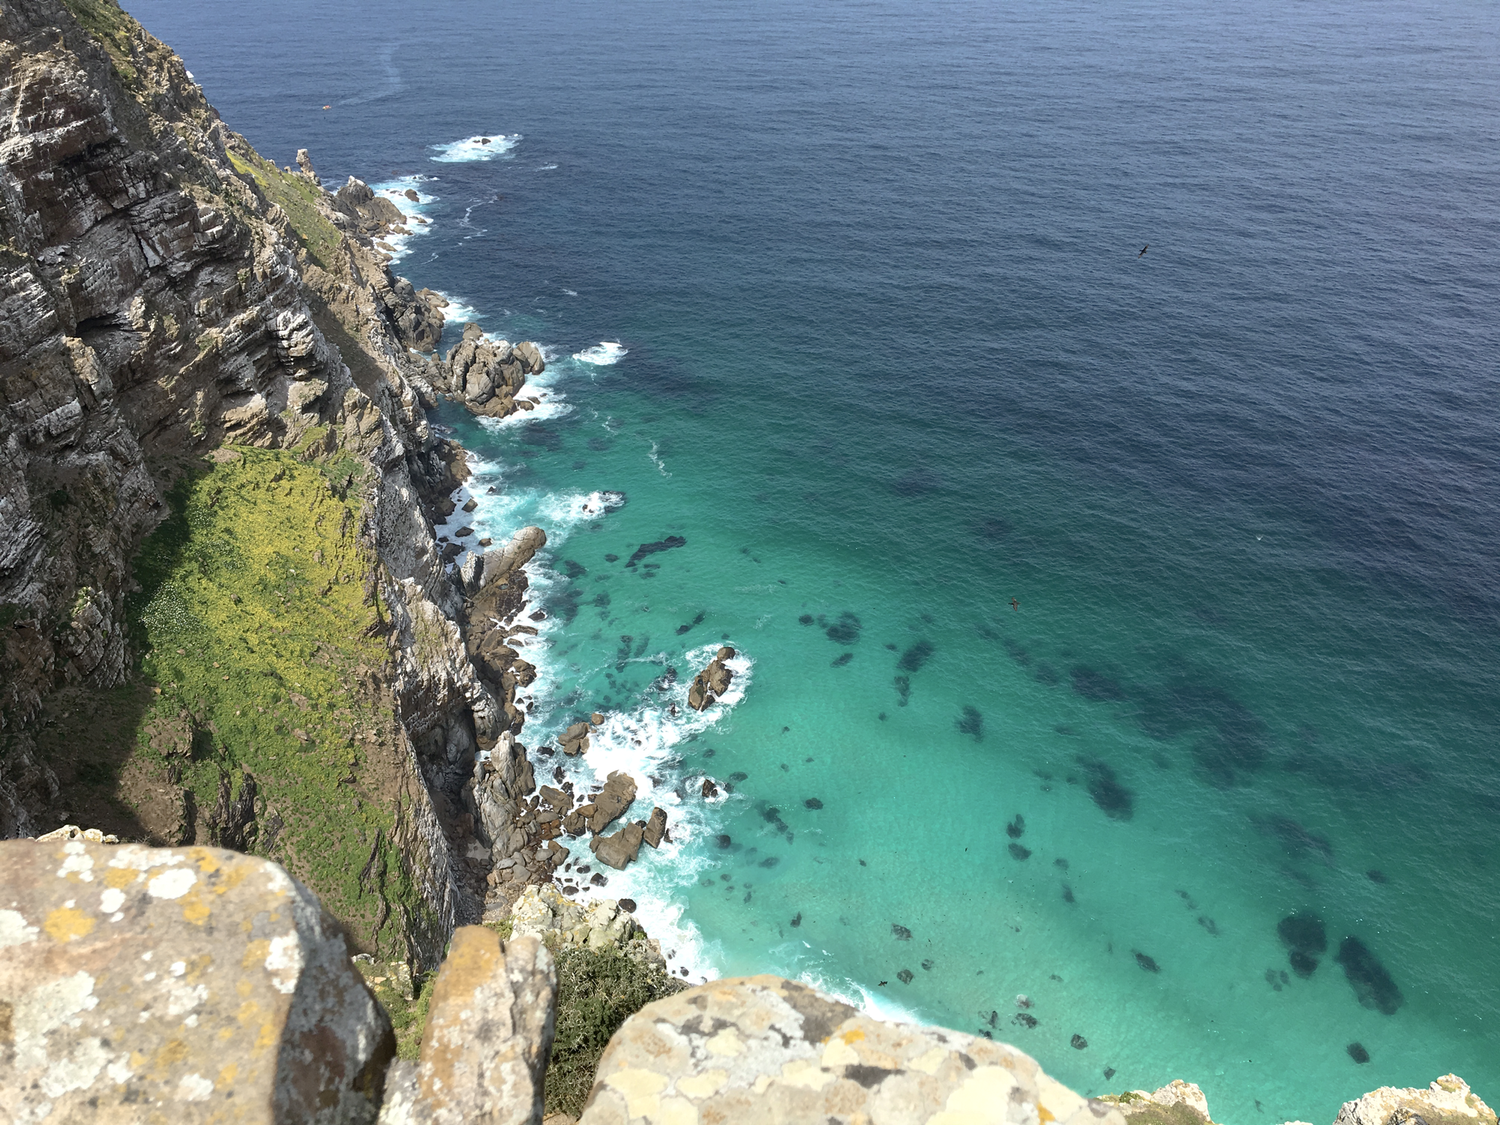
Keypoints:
(884, 352)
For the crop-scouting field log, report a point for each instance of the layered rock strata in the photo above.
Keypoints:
(164, 292)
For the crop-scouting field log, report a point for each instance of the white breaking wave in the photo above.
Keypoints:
(547, 168)
(661, 466)
(414, 211)
(644, 742)
(606, 353)
(484, 146)
(456, 311)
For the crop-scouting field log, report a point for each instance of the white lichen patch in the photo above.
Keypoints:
(14, 930)
(284, 962)
(172, 884)
(194, 1088)
(111, 900)
(136, 857)
(76, 862)
(51, 1005)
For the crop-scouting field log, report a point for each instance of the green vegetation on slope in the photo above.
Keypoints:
(105, 21)
(297, 197)
(596, 993)
(259, 641)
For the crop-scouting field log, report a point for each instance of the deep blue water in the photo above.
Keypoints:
(891, 351)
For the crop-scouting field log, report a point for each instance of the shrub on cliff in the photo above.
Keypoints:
(596, 993)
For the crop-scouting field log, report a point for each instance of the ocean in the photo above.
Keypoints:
(1117, 631)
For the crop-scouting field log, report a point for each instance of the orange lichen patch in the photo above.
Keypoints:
(255, 954)
(248, 1013)
(852, 1036)
(1043, 1114)
(196, 967)
(172, 1052)
(67, 923)
(195, 910)
(232, 878)
(227, 1075)
(118, 877)
(207, 862)
(268, 1036)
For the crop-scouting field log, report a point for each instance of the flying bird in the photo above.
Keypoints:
(1144, 248)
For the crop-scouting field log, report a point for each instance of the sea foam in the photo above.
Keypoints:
(482, 146)
(606, 353)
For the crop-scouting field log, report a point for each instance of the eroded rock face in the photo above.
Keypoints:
(204, 983)
(1446, 1101)
(488, 1037)
(765, 1049)
(592, 924)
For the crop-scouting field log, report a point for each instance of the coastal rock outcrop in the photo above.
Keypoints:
(545, 912)
(712, 682)
(192, 978)
(765, 1049)
(486, 375)
(1446, 1101)
(1176, 1103)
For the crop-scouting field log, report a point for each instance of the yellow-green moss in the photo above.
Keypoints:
(253, 621)
(297, 196)
(107, 23)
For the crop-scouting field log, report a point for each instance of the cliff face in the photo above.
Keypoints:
(165, 292)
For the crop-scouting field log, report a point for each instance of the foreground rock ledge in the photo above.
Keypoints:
(765, 1049)
(182, 984)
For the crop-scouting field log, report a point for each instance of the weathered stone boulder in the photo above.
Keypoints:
(613, 799)
(712, 682)
(488, 1037)
(575, 740)
(206, 984)
(618, 849)
(1176, 1103)
(764, 1049)
(1446, 1101)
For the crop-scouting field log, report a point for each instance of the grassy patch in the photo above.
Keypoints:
(297, 197)
(596, 993)
(257, 640)
(107, 23)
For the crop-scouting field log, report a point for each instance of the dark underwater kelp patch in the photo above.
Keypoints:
(645, 550)
(1104, 787)
(1371, 982)
(844, 631)
(915, 656)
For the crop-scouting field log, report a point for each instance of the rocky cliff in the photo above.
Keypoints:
(170, 303)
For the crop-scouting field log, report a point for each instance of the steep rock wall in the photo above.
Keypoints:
(165, 291)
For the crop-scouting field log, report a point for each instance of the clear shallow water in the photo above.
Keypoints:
(885, 347)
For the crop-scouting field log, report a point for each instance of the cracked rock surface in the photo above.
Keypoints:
(765, 1049)
(184, 984)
